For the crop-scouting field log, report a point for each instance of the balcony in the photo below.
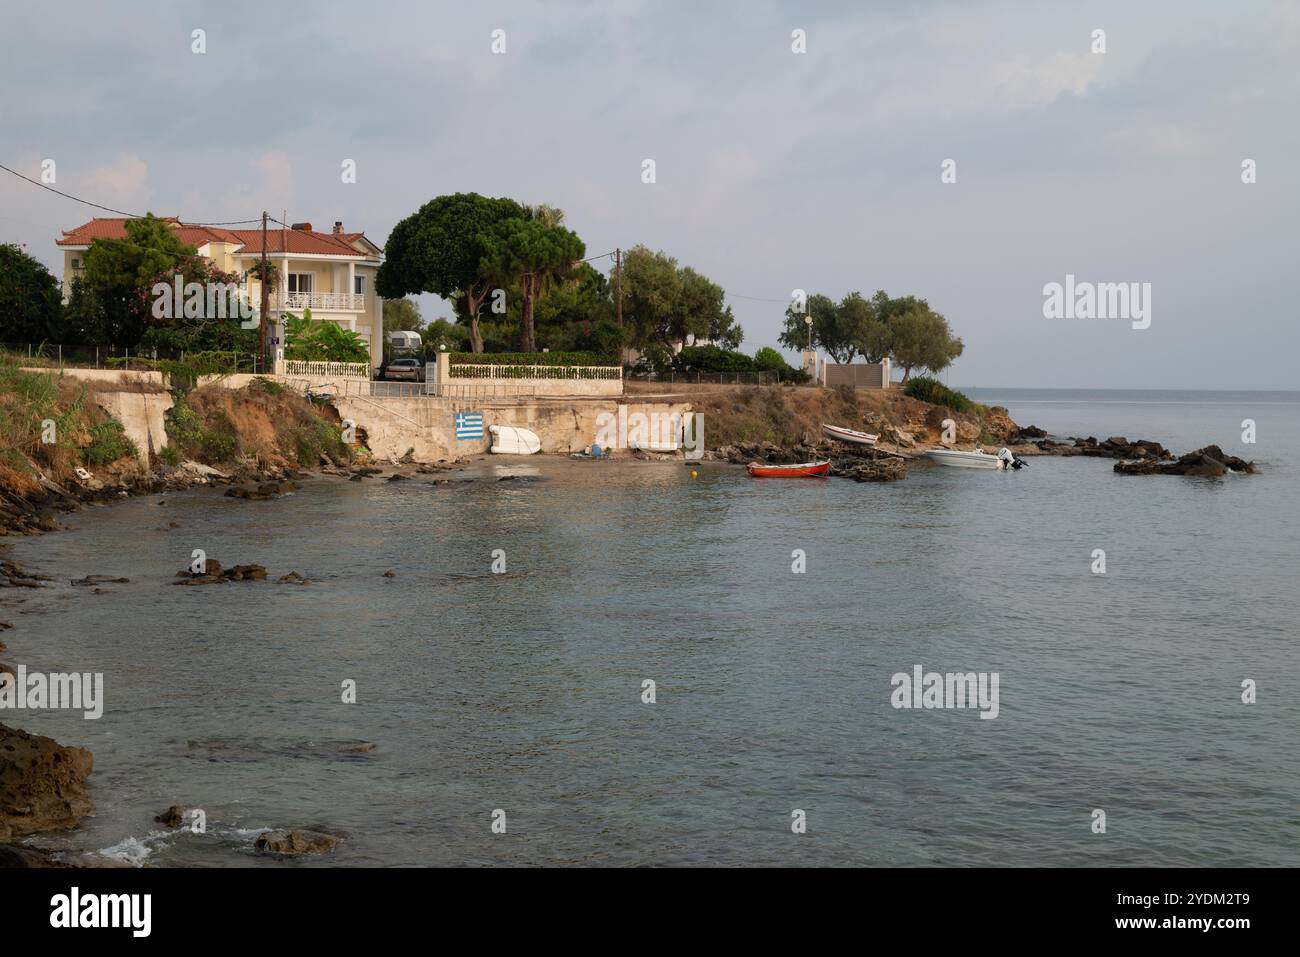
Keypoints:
(321, 301)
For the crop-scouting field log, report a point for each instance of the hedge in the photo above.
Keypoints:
(530, 359)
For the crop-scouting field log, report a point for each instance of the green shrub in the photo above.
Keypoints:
(936, 393)
(712, 359)
(193, 440)
(108, 443)
(265, 386)
(219, 444)
(312, 436)
(171, 455)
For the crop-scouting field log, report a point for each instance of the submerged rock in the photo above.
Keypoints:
(42, 784)
(100, 580)
(296, 842)
(13, 856)
(263, 492)
(247, 573)
(880, 470)
(214, 574)
(174, 816)
(17, 576)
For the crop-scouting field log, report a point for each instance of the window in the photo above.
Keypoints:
(76, 264)
(300, 282)
(359, 285)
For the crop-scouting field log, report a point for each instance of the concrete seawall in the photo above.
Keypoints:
(428, 426)
(142, 414)
(143, 417)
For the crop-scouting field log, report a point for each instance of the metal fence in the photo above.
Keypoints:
(709, 378)
(360, 388)
(58, 356)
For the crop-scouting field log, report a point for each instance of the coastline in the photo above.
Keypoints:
(273, 481)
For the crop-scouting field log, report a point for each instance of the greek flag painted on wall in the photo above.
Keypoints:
(469, 425)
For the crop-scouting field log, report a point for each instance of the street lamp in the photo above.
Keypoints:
(807, 321)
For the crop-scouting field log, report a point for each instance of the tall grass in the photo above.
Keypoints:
(36, 423)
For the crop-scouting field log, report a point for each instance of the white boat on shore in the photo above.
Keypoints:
(978, 459)
(510, 440)
(849, 435)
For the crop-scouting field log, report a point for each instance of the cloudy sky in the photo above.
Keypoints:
(775, 170)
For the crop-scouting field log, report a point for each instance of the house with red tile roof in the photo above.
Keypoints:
(331, 273)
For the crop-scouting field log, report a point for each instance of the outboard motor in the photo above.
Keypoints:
(1008, 459)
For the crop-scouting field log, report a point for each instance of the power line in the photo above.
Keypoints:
(735, 295)
(245, 222)
(110, 209)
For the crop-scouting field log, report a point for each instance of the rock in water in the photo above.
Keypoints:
(1210, 461)
(174, 816)
(296, 842)
(42, 784)
(881, 470)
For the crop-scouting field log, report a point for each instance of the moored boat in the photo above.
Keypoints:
(802, 470)
(978, 459)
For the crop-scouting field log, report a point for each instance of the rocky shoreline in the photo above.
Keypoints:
(889, 461)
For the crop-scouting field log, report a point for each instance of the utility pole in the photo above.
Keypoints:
(266, 300)
(618, 286)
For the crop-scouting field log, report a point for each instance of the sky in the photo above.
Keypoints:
(774, 170)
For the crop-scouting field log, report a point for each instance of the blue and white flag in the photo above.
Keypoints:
(469, 425)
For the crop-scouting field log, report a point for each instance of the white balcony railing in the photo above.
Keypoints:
(322, 301)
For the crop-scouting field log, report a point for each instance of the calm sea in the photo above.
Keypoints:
(523, 691)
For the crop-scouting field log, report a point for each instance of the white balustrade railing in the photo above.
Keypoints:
(468, 370)
(335, 301)
(343, 370)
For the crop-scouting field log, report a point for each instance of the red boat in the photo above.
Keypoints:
(803, 470)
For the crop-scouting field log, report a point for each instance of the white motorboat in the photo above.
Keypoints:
(848, 435)
(509, 440)
(977, 459)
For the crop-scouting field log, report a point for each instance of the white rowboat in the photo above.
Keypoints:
(848, 435)
(509, 440)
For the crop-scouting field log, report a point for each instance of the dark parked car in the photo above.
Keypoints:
(410, 370)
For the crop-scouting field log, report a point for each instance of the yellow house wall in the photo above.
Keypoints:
(369, 323)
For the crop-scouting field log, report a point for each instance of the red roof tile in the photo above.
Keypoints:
(299, 241)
